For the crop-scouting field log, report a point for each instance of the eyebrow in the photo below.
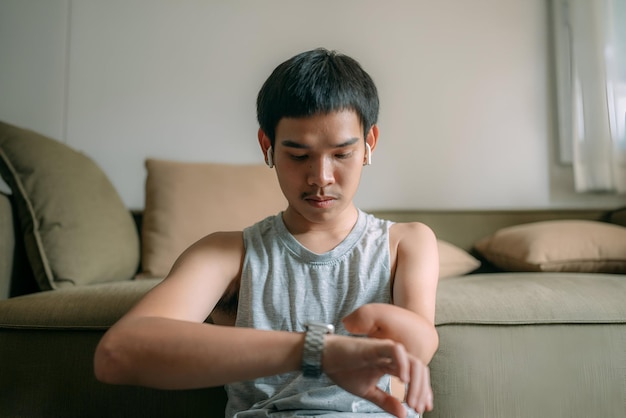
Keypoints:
(293, 144)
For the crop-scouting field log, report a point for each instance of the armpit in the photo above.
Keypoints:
(225, 311)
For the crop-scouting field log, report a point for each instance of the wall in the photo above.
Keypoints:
(467, 117)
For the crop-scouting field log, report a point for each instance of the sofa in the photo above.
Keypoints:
(531, 310)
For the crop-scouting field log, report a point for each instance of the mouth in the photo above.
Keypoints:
(320, 202)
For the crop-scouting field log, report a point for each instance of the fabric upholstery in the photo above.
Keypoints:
(186, 201)
(50, 374)
(563, 245)
(76, 228)
(531, 298)
(510, 370)
(454, 261)
(94, 307)
(530, 344)
(7, 246)
(464, 227)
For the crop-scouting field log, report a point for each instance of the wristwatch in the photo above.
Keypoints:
(314, 347)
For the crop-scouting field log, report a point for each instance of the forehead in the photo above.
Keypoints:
(337, 126)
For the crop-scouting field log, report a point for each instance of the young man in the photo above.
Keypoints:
(276, 290)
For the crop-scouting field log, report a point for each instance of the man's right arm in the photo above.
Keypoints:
(163, 341)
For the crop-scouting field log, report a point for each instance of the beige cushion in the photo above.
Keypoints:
(454, 261)
(76, 228)
(186, 201)
(564, 245)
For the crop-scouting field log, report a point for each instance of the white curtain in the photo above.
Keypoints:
(590, 49)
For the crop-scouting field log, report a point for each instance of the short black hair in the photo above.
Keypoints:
(316, 81)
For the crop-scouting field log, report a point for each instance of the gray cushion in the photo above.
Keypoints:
(76, 228)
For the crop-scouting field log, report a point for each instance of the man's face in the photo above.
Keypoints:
(318, 161)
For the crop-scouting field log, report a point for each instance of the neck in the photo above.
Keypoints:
(320, 235)
(298, 223)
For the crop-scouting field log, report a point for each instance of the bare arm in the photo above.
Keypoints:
(163, 341)
(411, 320)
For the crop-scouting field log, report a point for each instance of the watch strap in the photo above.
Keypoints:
(314, 348)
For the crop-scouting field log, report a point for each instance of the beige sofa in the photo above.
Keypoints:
(537, 329)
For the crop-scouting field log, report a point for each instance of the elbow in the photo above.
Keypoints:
(109, 364)
(427, 345)
(434, 345)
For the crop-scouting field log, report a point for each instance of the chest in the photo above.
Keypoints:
(281, 292)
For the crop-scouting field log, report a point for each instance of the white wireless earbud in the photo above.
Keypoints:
(270, 157)
(368, 154)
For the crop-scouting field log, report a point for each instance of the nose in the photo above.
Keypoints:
(321, 173)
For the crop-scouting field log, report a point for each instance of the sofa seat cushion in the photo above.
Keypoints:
(93, 307)
(490, 299)
(532, 298)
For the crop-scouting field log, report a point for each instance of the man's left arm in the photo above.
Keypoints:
(411, 318)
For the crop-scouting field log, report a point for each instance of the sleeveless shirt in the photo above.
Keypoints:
(284, 286)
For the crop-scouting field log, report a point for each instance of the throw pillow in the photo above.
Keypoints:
(560, 245)
(454, 261)
(186, 201)
(76, 228)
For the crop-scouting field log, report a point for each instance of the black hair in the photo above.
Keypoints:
(316, 81)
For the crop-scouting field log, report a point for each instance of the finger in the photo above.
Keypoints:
(402, 362)
(429, 396)
(391, 358)
(387, 402)
(419, 394)
(412, 392)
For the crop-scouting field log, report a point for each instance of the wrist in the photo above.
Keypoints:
(313, 350)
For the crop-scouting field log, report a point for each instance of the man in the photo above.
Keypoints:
(277, 290)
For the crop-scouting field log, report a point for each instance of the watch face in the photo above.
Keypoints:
(327, 328)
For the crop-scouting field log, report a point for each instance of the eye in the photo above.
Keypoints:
(298, 157)
(344, 155)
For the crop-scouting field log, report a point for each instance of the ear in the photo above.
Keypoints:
(372, 137)
(264, 143)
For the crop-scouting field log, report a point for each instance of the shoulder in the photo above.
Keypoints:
(416, 267)
(261, 228)
(218, 256)
(414, 252)
(411, 233)
(217, 242)
(197, 281)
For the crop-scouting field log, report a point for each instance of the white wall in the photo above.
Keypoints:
(467, 117)
(33, 64)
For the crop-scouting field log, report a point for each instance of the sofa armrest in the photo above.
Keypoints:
(7, 246)
(16, 275)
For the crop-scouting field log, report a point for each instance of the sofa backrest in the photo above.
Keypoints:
(464, 227)
(459, 227)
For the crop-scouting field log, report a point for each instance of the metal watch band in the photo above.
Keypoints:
(314, 347)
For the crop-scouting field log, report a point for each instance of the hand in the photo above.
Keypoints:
(389, 322)
(357, 364)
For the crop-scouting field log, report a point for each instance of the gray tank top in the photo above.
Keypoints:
(284, 286)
